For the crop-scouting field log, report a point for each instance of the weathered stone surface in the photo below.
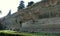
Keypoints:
(40, 10)
(47, 25)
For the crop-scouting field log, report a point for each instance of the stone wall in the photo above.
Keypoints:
(34, 12)
(42, 25)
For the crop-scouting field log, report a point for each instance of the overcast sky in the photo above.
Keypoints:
(6, 5)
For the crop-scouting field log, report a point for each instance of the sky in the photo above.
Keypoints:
(6, 5)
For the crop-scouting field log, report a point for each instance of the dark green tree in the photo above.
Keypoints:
(30, 3)
(0, 11)
(21, 5)
(9, 14)
(2, 27)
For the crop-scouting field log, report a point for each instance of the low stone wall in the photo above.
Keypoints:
(46, 25)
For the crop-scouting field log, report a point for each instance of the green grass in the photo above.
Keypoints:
(15, 33)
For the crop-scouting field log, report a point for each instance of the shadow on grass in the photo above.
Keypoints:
(6, 34)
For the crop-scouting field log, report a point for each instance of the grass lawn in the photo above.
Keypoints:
(15, 33)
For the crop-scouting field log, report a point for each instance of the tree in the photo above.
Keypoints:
(30, 3)
(2, 27)
(0, 11)
(20, 23)
(21, 5)
(9, 14)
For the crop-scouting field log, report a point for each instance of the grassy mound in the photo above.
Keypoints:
(15, 33)
(12, 33)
